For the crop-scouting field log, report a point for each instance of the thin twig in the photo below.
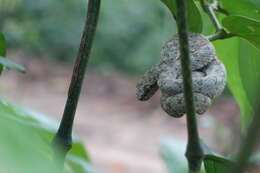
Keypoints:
(220, 35)
(194, 151)
(63, 139)
(210, 10)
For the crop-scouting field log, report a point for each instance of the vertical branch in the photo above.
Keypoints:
(63, 139)
(248, 145)
(194, 151)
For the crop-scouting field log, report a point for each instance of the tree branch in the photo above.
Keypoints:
(194, 151)
(63, 139)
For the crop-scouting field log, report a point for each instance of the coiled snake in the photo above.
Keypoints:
(208, 73)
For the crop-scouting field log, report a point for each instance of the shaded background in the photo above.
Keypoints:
(121, 133)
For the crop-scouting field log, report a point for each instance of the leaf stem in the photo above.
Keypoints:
(220, 35)
(194, 151)
(63, 139)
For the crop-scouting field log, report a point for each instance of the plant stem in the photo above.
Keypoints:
(63, 139)
(208, 8)
(248, 145)
(220, 32)
(220, 35)
(194, 151)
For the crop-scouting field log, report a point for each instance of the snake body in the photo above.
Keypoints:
(208, 74)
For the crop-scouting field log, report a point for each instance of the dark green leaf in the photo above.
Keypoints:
(216, 164)
(194, 17)
(244, 27)
(249, 8)
(11, 65)
(2, 45)
(2, 49)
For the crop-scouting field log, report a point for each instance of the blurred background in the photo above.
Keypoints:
(121, 134)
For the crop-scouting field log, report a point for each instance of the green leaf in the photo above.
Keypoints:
(2, 45)
(249, 62)
(244, 27)
(11, 65)
(2, 49)
(43, 129)
(194, 17)
(242, 61)
(216, 164)
(249, 8)
(21, 147)
(227, 51)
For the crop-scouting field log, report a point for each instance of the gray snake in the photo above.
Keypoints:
(208, 76)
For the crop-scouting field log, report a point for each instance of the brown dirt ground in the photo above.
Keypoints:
(121, 133)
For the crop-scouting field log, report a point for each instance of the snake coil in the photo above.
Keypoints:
(208, 76)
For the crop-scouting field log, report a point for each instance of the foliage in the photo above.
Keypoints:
(244, 27)
(26, 138)
(52, 29)
(193, 14)
(216, 164)
(11, 65)
(4, 62)
(245, 21)
(248, 8)
(32, 26)
(39, 28)
(25, 141)
(171, 152)
(241, 60)
(2, 49)
(239, 56)
(245, 57)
